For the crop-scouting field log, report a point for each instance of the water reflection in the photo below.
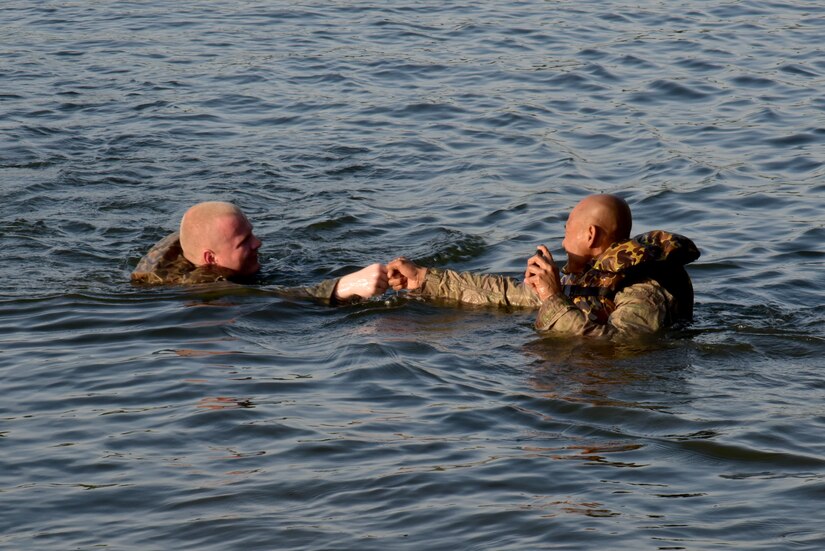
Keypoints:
(552, 507)
(600, 372)
(592, 453)
(191, 353)
(225, 402)
(207, 416)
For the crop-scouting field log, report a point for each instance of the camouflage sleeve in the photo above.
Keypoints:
(470, 288)
(640, 309)
(323, 292)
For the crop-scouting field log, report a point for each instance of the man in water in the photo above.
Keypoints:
(612, 285)
(216, 243)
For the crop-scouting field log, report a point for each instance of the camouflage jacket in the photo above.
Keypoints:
(165, 264)
(635, 287)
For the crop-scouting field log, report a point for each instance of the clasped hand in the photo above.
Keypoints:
(366, 282)
(405, 274)
(373, 280)
(542, 274)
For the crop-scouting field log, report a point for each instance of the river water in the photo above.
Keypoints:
(459, 134)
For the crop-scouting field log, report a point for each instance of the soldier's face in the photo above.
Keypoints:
(237, 248)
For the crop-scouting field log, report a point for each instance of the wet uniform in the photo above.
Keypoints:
(635, 287)
(165, 264)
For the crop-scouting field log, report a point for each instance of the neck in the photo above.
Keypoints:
(577, 264)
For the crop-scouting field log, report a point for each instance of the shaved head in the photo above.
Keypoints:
(218, 233)
(594, 224)
(200, 228)
(609, 213)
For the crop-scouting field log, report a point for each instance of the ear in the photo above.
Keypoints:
(209, 257)
(592, 236)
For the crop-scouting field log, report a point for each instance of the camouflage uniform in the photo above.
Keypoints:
(635, 287)
(165, 264)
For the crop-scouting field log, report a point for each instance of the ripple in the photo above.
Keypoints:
(753, 82)
(664, 90)
(797, 139)
(460, 136)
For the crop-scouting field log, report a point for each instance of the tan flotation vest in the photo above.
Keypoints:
(165, 264)
(656, 255)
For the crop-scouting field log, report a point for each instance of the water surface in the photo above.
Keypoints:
(459, 135)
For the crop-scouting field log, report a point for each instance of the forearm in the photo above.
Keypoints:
(482, 289)
(323, 292)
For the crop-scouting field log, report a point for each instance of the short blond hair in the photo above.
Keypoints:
(198, 228)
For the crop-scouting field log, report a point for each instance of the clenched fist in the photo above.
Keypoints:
(405, 274)
(367, 282)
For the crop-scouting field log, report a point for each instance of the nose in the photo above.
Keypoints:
(256, 244)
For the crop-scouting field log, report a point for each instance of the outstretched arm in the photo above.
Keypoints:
(466, 287)
(364, 283)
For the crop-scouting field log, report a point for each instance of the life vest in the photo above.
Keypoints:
(656, 255)
(165, 264)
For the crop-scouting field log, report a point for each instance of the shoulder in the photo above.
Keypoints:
(670, 247)
(653, 247)
(164, 263)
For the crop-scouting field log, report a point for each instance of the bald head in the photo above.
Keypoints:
(609, 213)
(200, 228)
(594, 224)
(218, 233)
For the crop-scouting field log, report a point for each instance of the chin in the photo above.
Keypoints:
(252, 270)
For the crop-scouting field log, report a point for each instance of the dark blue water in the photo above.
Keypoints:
(459, 134)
